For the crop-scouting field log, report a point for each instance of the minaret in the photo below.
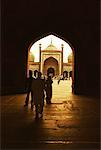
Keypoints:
(62, 47)
(40, 57)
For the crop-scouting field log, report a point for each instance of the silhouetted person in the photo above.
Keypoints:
(34, 78)
(48, 88)
(70, 75)
(38, 87)
(35, 74)
(29, 87)
(29, 84)
(61, 78)
(64, 77)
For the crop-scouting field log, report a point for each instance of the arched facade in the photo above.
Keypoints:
(53, 58)
(50, 63)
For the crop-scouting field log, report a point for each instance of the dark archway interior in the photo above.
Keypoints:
(75, 21)
(51, 70)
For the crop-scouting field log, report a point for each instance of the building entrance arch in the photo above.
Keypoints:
(58, 66)
(51, 65)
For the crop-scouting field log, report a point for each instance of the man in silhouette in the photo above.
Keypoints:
(29, 87)
(38, 87)
(29, 84)
(70, 75)
(48, 88)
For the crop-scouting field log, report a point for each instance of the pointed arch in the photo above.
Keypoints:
(62, 38)
(51, 62)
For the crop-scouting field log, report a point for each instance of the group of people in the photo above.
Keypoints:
(64, 77)
(39, 88)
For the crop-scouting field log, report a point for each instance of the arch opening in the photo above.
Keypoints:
(51, 65)
(49, 61)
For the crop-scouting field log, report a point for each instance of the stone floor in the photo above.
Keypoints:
(70, 122)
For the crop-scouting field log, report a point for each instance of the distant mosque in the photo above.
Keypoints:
(50, 61)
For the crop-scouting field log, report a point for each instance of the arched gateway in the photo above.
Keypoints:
(51, 66)
(51, 60)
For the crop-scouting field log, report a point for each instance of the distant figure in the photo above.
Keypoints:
(35, 74)
(70, 75)
(48, 88)
(29, 84)
(59, 78)
(34, 78)
(38, 87)
(63, 77)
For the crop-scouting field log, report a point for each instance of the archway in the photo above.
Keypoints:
(56, 71)
(51, 64)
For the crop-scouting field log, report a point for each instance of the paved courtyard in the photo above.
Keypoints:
(70, 122)
(62, 90)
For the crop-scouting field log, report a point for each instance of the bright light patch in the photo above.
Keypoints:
(46, 41)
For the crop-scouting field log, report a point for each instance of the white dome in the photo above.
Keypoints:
(51, 47)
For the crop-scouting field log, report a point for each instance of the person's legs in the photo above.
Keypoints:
(50, 96)
(41, 105)
(41, 111)
(41, 108)
(47, 97)
(32, 100)
(47, 100)
(27, 98)
(36, 110)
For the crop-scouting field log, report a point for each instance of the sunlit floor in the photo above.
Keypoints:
(71, 123)
(61, 91)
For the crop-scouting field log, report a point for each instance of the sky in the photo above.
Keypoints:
(46, 41)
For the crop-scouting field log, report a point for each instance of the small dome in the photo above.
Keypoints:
(70, 58)
(51, 47)
(31, 57)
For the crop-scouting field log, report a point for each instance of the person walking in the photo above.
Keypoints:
(29, 84)
(38, 87)
(48, 89)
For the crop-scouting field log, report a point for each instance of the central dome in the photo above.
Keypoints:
(51, 47)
